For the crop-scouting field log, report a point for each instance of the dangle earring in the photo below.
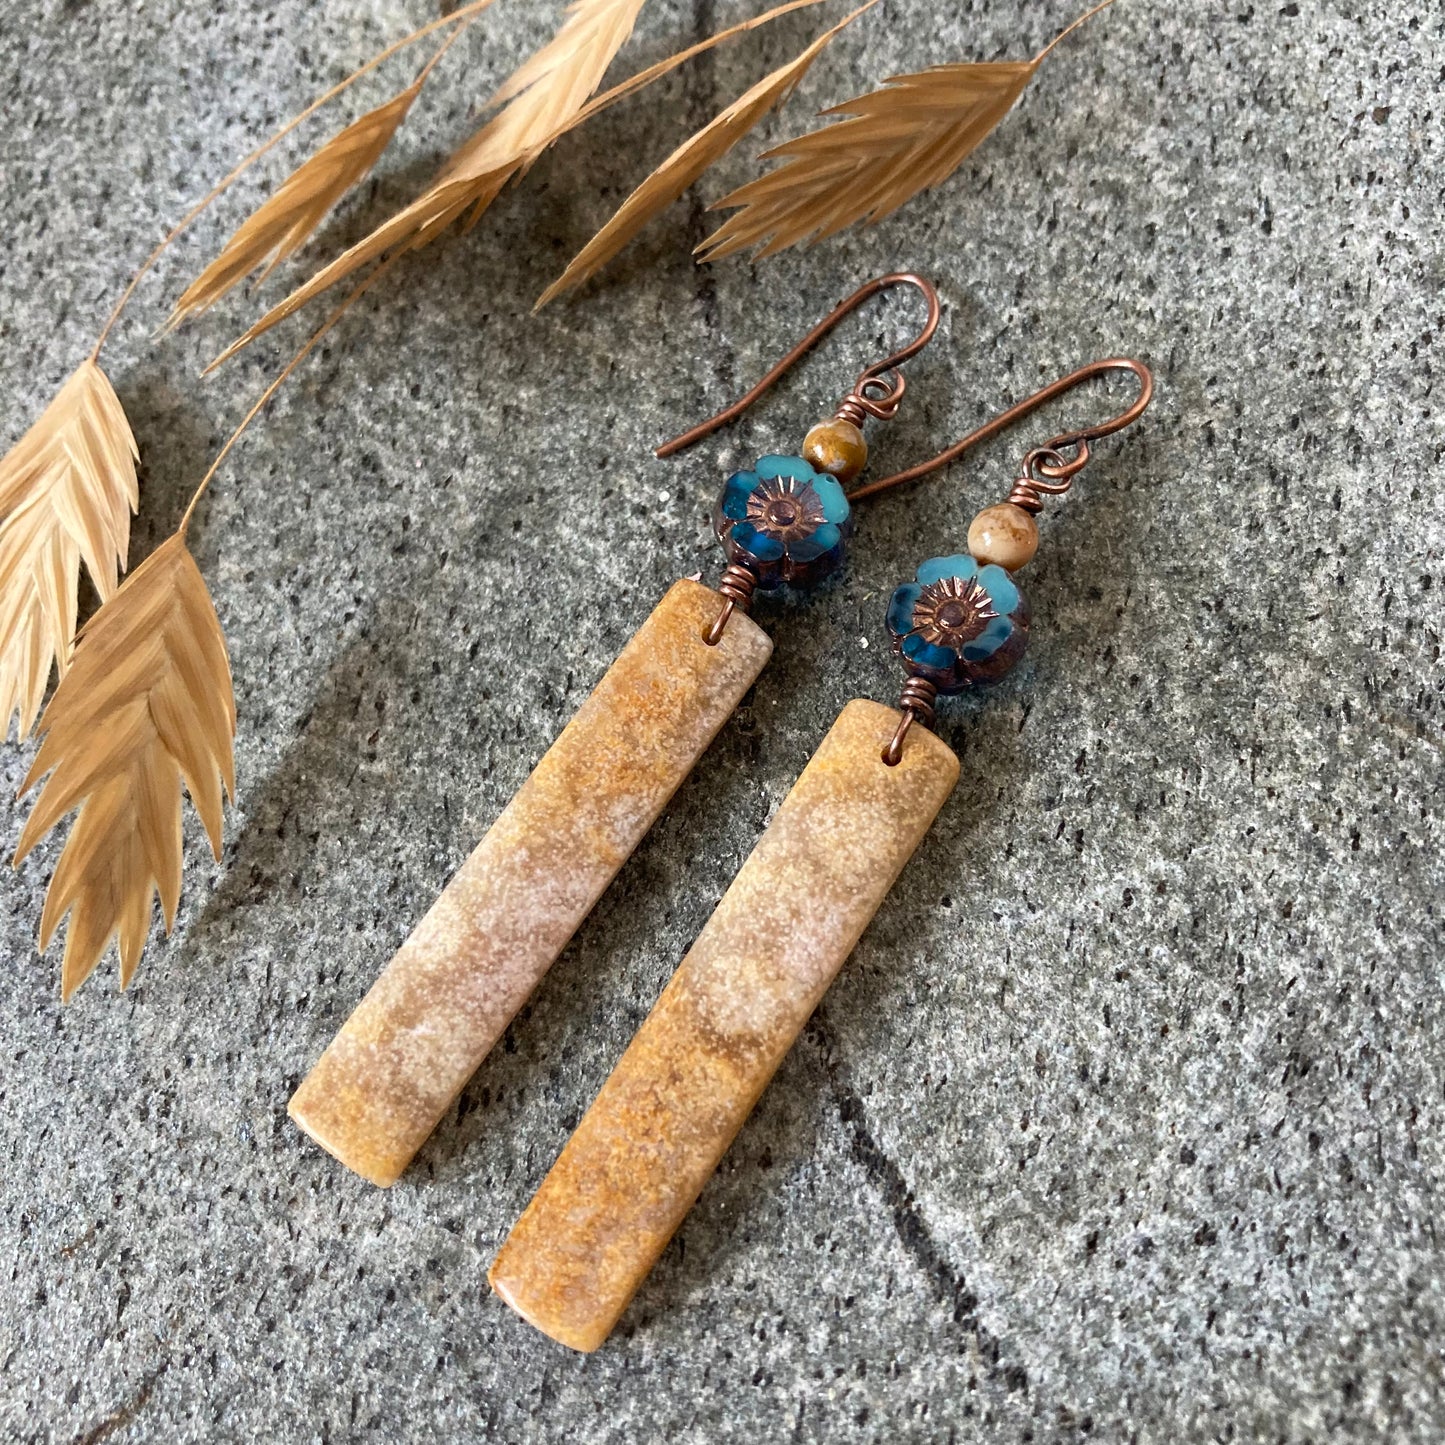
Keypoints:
(678, 1096)
(406, 1052)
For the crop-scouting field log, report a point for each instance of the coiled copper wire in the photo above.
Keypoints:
(1026, 495)
(918, 697)
(916, 704)
(1055, 474)
(875, 396)
(737, 586)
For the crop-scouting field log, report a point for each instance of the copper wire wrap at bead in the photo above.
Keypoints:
(1055, 477)
(737, 586)
(916, 704)
(875, 396)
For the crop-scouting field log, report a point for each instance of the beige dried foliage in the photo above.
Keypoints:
(457, 22)
(910, 134)
(282, 225)
(409, 229)
(67, 491)
(472, 186)
(146, 705)
(547, 90)
(688, 162)
(643, 78)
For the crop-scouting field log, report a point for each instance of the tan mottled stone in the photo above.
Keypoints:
(837, 447)
(1003, 534)
(689, 1079)
(417, 1037)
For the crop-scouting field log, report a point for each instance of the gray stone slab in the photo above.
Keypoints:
(1124, 1121)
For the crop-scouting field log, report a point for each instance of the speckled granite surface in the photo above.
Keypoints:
(1123, 1123)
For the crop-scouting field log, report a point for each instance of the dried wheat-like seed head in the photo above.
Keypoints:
(409, 229)
(910, 134)
(545, 96)
(280, 226)
(146, 705)
(693, 157)
(549, 88)
(67, 491)
(469, 185)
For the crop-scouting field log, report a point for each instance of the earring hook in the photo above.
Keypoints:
(879, 387)
(1047, 468)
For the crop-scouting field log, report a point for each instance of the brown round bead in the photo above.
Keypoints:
(1005, 535)
(837, 447)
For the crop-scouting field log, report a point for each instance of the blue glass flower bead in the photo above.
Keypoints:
(785, 520)
(958, 623)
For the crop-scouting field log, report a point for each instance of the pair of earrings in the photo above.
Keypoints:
(687, 1082)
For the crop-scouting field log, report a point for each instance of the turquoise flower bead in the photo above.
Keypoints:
(958, 624)
(785, 520)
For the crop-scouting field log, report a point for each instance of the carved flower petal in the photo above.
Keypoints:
(755, 543)
(928, 654)
(832, 496)
(937, 568)
(792, 467)
(807, 549)
(1001, 587)
(900, 608)
(988, 642)
(736, 491)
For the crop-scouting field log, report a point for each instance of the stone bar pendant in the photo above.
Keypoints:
(404, 1055)
(679, 1095)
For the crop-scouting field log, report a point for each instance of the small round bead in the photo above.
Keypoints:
(1005, 535)
(837, 447)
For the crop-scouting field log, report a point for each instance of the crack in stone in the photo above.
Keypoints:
(125, 1414)
(949, 1285)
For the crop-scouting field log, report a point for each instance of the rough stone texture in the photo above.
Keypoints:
(689, 1079)
(441, 1004)
(1124, 1120)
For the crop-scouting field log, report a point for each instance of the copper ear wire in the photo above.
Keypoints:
(1046, 469)
(879, 388)
(878, 391)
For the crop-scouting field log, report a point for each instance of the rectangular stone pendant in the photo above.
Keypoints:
(679, 1095)
(404, 1055)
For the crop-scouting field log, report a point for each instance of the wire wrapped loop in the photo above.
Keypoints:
(737, 586)
(873, 395)
(916, 704)
(1046, 471)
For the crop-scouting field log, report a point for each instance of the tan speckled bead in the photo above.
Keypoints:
(837, 447)
(689, 1079)
(417, 1037)
(1005, 535)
